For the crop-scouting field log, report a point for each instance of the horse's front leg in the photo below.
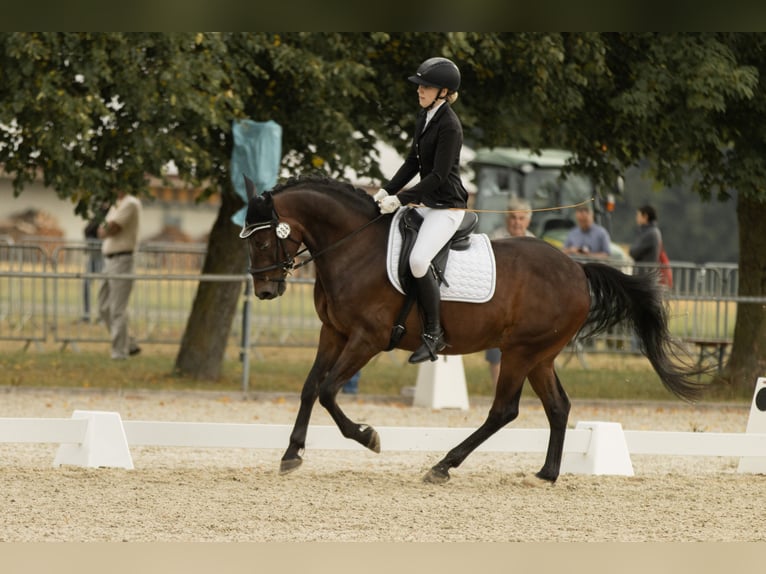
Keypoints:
(292, 457)
(328, 391)
(327, 353)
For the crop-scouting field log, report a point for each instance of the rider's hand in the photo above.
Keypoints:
(380, 194)
(389, 204)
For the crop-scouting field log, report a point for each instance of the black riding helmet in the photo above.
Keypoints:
(438, 73)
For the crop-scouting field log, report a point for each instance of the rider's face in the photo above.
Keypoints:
(427, 95)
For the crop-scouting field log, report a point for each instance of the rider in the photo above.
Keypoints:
(435, 155)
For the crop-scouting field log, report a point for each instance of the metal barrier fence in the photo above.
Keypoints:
(23, 297)
(51, 294)
(166, 279)
(702, 306)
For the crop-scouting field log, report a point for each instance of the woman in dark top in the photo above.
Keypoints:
(646, 247)
(435, 156)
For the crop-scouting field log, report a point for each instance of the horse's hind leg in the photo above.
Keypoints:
(505, 408)
(546, 384)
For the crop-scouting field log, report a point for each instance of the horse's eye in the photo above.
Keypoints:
(264, 246)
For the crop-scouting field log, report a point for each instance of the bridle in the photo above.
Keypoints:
(282, 231)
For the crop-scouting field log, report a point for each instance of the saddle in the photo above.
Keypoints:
(409, 226)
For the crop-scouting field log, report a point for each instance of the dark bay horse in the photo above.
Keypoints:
(542, 300)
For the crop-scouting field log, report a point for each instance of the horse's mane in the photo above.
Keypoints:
(325, 184)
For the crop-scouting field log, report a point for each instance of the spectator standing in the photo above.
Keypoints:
(95, 261)
(587, 238)
(120, 237)
(647, 244)
(645, 248)
(516, 225)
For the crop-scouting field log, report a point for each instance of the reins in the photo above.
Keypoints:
(288, 263)
(333, 245)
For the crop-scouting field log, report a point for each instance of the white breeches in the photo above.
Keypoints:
(439, 225)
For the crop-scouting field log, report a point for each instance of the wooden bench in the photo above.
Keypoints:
(710, 349)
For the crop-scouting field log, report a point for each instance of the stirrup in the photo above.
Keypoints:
(432, 344)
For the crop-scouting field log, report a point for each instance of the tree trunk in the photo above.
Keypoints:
(748, 354)
(207, 331)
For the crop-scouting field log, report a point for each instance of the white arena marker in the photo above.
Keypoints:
(104, 445)
(756, 424)
(607, 452)
(441, 384)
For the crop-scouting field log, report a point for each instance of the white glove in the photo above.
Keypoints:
(389, 204)
(380, 194)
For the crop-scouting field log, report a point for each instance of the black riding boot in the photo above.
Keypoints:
(429, 300)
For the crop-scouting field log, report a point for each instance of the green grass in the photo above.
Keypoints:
(284, 370)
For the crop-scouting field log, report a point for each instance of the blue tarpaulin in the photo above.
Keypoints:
(257, 154)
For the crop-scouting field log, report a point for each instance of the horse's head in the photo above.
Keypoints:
(271, 245)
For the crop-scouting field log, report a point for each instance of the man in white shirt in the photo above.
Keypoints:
(120, 235)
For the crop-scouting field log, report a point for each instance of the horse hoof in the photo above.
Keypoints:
(542, 475)
(374, 443)
(436, 476)
(289, 465)
(369, 438)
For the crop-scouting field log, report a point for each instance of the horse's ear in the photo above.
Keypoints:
(260, 209)
(249, 187)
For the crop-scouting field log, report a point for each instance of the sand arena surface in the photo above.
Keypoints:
(181, 494)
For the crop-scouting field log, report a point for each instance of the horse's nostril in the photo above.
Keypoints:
(265, 294)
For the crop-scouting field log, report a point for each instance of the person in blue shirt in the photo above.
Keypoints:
(587, 238)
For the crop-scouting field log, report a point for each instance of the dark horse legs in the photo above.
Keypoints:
(505, 409)
(329, 372)
(546, 384)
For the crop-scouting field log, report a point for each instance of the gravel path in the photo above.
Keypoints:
(178, 494)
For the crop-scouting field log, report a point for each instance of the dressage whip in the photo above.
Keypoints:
(555, 208)
(363, 227)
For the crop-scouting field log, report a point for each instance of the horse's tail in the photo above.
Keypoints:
(637, 301)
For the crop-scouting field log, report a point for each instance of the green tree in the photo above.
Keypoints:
(91, 113)
(694, 106)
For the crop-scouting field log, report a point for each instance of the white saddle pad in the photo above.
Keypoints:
(470, 273)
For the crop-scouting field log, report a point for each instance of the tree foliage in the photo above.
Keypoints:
(92, 112)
